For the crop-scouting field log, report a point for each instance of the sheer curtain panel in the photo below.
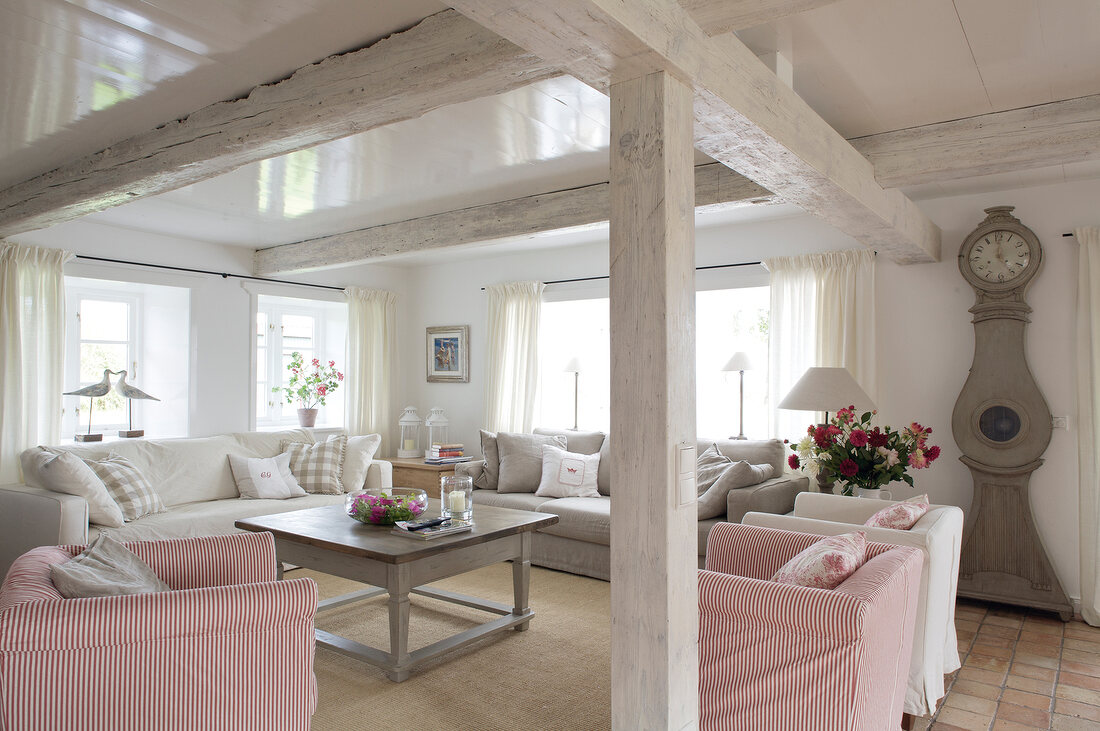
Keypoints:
(822, 314)
(372, 343)
(32, 347)
(1088, 410)
(513, 355)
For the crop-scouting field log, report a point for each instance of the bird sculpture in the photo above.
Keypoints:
(96, 390)
(130, 393)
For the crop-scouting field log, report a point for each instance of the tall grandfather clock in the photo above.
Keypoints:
(1002, 424)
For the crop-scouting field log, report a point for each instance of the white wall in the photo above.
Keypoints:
(221, 329)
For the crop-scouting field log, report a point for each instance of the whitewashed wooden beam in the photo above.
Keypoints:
(716, 186)
(1047, 134)
(744, 116)
(722, 16)
(445, 59)
(654, 534)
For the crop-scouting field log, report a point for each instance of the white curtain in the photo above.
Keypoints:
(513, 355)
(32, 350)
(372, 344)
(822, 314)
(1088, 410)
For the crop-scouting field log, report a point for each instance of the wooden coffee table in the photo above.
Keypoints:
(327, 540)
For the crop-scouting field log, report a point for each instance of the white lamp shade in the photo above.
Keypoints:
(826, 389)
(739, 362)
(573, 366)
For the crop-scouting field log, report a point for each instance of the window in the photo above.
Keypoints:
(139, 328)
(727, 321)
(284, 325)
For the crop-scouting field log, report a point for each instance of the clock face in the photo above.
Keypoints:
(999, 256)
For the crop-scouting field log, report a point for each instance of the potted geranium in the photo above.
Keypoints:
(309, 386)
(865, 459)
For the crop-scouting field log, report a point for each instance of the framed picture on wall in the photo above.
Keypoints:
(449, 354)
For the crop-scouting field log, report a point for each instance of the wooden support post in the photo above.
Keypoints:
(654, 583)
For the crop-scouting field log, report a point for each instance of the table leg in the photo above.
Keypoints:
(398, 581)
(521, 579)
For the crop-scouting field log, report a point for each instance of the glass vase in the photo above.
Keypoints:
(456, 497)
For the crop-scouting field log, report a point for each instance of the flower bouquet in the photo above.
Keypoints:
(385, 507)
(848, 449)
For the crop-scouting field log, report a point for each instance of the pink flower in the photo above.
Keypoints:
(821, 437)
(793, 461)
(848, 468)
(847, 415)
(858, 438)
(932, 453)
(321, 390)
(339, 376)
(918, 460)
(316, 362)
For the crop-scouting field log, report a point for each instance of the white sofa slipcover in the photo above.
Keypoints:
(939, 537)
(192, 477)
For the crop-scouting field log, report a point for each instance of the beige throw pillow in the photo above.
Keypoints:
(105, 568)
(709, 466)
(487, 480)
(357, 459)
(128, 486)
(521, 460)
(317, 467)
(568, 474)
(265, 478)
(712, 502)
(66, 473)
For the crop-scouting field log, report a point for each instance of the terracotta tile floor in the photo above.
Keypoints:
(1021, 670)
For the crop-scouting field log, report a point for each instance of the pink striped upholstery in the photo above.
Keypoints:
(775, 656)
(224, 656)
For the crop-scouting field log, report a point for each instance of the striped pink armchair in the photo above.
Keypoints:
(230, 647)
(776, 656)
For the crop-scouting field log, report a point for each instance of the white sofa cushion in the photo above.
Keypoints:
(568, 474)
(265, 477)
(66, 473)
(357, 459)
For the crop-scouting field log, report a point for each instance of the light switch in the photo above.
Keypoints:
(685, 468)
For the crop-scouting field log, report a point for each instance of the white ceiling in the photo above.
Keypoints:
(76, 75)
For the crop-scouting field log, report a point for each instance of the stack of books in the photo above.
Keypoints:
(446, 454)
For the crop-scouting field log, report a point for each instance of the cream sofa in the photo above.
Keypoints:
(192, 477)
(580, 542)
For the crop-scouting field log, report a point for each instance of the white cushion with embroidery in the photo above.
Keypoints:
(265, 478)
(568, 474)
(900, 516)
(827, 563)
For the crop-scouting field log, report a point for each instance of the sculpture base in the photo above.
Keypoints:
(131, 433)
(88, 437)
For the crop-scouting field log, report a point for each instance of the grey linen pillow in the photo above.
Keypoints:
(521, 460)
(487, 480)
(709, 467)
(105, 568)
(712, 501)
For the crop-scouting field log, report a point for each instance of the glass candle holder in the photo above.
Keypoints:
(456, 497)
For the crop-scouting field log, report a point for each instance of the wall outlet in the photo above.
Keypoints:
(1059, 422)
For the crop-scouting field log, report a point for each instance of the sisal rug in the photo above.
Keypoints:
(556, 675)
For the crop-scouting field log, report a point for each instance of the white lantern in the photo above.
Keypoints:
(409, 446)
(437, 425)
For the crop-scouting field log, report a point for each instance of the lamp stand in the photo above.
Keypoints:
(576, 393)
(741, 434)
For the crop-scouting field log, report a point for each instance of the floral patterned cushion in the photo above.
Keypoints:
(900, 516)
(827, 563)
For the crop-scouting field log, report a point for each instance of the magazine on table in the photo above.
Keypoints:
(428, 529)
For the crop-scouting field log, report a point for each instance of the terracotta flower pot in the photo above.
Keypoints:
(307, 417)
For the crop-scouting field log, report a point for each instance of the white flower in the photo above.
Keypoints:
(805, 446)
(891, 455)
(811, 468)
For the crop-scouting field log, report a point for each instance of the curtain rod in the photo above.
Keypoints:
(223, 275)
(606, 276)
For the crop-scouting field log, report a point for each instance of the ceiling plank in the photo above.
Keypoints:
(445, 59)
(744, 116)
(721, 16)
(1047, 134)
(716, 186)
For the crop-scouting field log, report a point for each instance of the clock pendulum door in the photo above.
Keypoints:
(1001, 423)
